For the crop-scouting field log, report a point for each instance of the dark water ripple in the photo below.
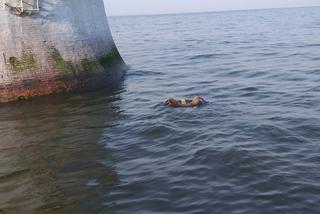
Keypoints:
(253, 149)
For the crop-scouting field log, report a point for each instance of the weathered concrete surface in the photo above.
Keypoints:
(66, 47)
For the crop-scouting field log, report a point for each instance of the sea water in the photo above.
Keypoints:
(255, 148)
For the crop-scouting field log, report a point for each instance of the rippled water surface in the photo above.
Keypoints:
(254, 149)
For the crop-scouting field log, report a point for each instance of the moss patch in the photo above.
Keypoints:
(26, 62)
(85, 65)
(89, 65)
(111, 58)
(62, 65)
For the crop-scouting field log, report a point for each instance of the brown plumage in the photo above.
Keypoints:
(195, 102)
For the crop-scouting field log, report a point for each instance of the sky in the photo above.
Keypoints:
(142, 7)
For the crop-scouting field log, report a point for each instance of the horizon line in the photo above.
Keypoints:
(210, 11)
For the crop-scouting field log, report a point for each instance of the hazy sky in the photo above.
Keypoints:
(135, 7)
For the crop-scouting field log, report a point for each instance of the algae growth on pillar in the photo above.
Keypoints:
(55, 46)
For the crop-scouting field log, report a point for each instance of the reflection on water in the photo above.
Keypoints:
(50, 157)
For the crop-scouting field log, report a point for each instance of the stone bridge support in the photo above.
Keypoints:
(65, 45)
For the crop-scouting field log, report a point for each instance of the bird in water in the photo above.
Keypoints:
(195, 102)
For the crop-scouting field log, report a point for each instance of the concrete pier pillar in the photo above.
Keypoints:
(55, 47)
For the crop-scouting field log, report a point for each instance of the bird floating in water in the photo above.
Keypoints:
(195, 102)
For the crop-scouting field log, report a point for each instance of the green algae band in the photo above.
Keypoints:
(51, 51)
(27, 62)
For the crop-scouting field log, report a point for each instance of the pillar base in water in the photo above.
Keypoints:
(80, 83)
